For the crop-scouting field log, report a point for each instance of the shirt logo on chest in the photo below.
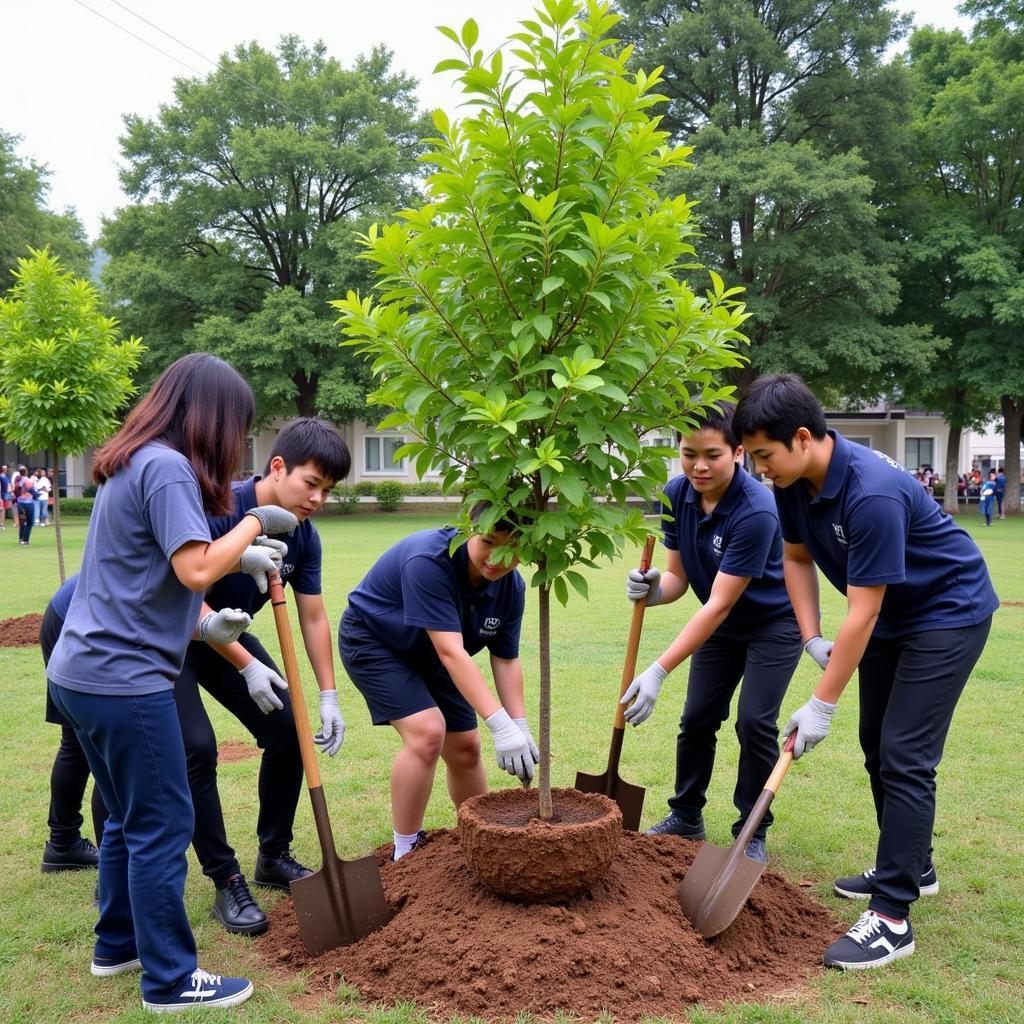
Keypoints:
(840, 534)
(716, 541)
(490, 626)
(286, 570)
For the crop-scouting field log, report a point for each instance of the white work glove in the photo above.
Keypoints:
(819, 650)
(645, 688)
(644, 586)
(274, 519)
(811, 724)
(332, 733)
(510, 745)
(524, 728)
(223, 627)
(262, 557)
(260, 680)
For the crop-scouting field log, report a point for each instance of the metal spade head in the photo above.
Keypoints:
(630, 798)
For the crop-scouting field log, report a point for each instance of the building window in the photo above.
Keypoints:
(920, 452)
(379, 454)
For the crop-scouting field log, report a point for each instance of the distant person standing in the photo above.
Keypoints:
(25, 498)
(988, 496)
(1000, 492)
(43, 487)
(6, 496)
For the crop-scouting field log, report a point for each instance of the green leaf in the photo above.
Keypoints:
(470, 33)
(549, 284)
(543, 325)
(579, 583)
(561, 590)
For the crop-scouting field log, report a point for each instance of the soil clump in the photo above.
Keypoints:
(20, 632)
(625, 948)
(230, 751)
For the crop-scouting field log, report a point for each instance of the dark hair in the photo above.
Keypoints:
(508, 523)
(779, 405)
(202, 408)
(312, 440)
(712, 418)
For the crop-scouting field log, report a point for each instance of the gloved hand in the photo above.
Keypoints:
(265, 555)
(260, 680)
(645, 688)
(274, 519)
(644, 586)
(524, 728)
(332, 734)
(819, 650)
(811, 723)
(510, 745)
(223, 627)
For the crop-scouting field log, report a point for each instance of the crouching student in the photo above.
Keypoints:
(919, 609)
(407, 641)
(723, 540)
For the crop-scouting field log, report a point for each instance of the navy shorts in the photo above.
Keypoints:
(394, 687)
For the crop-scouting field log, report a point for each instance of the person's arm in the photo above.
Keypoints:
(726, 590)
(802, 586)
(863, 606)
(316, 636)
(199, 564)
(508, 681)
(675, 582)
(465, 672)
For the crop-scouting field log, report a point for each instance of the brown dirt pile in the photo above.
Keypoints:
(626, 948)
(229, 751)
(20, 632)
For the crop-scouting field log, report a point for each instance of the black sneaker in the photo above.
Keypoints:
(873, 941)
(203, 989)
(236, 909)
(673, 825)
(81, 854)
(278, 872)
(862, 887)
(757, 850)
(420, 840)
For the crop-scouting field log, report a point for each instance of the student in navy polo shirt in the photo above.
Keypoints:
(920, 606)
(723, 541)
(307, 458)
(407, 639)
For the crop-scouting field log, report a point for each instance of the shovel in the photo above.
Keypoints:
(719, 881)
(344, 900)
(630, 798)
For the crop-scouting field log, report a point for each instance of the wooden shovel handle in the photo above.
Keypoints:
(633, 644)
(782, 765)
(764, 801)
(291, 671)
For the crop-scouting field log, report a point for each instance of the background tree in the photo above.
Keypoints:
(252, 184)
(64, 371)
(795, 118)
(533, 327)
(25, 221)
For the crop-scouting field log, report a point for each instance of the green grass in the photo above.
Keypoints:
(969, 965)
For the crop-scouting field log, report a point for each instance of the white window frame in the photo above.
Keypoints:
(387, 469)
(919, 438)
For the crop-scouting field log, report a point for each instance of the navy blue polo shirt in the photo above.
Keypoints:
(417, 585)
(301, 565)
(740, 538)
(873, 524)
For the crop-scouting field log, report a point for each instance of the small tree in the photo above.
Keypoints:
(64, 372)
(533, 329)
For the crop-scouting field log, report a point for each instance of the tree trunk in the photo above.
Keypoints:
(544, 645)
(56, 515)
(952, 477)
(1013, 412)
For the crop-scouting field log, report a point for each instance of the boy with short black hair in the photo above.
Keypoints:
(920, 606)
(722, 539)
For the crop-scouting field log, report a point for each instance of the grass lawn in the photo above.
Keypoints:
(969, 966)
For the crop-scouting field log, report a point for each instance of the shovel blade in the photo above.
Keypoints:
(716, 888)
(339, 911)
(630, 798)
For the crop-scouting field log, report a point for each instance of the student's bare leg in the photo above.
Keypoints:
(412, 773)
(465, 773)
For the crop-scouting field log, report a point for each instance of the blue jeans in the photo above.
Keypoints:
(42, 510)
(26, 519)
(133, 746)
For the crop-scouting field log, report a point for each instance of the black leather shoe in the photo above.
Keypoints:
(278, 872)
(81, 854)
(236, 910)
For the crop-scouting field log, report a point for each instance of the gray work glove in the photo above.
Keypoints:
(645, 688)
(332, 733)
(644, 586)
(274, 519)
(223, 627)
(262, 557)
(811, 724)
(524, 728)
(260, 680)
(510, 745)
(819, 650)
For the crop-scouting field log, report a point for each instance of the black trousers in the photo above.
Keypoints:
(909, 688)
(765, 658)
(280, 775)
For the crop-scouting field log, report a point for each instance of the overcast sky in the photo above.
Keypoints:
(68, 76)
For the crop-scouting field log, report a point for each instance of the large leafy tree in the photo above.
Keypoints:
(26, 221)
(64, 369)
(800, 129)
(249, 185)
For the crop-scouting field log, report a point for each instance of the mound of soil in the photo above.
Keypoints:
(229, 751)
(626, 948)
(20, 632)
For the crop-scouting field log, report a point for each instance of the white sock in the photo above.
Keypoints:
(403, 844)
